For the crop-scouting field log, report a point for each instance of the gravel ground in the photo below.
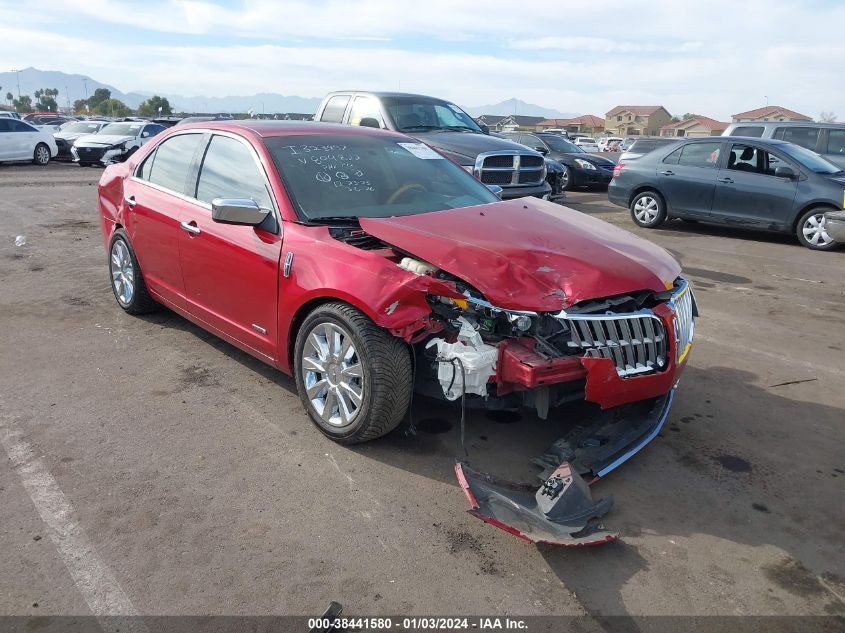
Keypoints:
(150, 458)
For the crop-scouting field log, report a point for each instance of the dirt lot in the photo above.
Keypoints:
(153, 468)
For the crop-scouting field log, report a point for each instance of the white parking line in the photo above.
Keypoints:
(91, 575)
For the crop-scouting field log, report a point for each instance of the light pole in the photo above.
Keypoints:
(767, 100)
(18, 76)
(85, 83)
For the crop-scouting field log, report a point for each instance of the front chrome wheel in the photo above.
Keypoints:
(122, 273)
(815, 230)
(646, 209)
(332, 374)
(566, 179)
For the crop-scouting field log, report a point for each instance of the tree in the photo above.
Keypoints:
(46, 99)
(112, 107)
(100, 95)
(80, 106)
(150, 106)
(23, 104)
(9, 97)
(827, 117)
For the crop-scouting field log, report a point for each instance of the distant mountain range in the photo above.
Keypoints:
(72, 87)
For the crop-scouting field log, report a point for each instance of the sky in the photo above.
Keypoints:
(714, 58)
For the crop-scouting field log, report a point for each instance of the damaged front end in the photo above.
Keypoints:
(614, 360)
(623, 354)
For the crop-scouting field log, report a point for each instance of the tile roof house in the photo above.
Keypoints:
(694, 126)
(770, 113)
(519, 122)
(490, 120)
(636, 120)
(587, 124)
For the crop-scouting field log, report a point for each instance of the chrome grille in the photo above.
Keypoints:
(510, 168)
(684, 319)
(635, 342)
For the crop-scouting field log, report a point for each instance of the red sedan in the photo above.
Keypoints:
(367, 265)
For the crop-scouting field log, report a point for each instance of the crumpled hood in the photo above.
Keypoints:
(102, 139)
(529, 254)
(70, 136)
(466, 143)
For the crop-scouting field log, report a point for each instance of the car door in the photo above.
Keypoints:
(6, 139)
(23, 140)
(748, 192)
(158, 197)
(687, 178)
(231, 272)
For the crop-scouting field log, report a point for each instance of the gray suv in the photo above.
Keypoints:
(827, 139)
(519, 171)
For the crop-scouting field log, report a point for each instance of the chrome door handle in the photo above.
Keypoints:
(726, 180)
(190, 228)
(130, 201)
(668, 173)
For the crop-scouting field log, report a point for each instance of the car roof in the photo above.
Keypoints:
(379, 93)
(270, 128)
(786, 124)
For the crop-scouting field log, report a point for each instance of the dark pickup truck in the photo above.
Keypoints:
(444, 126)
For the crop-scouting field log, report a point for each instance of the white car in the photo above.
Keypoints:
(114, 143)
(606, 141)
(587, 144)
(21, 141)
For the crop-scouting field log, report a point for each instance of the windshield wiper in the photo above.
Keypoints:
(460, 127)
(334, 219)
(419, 128)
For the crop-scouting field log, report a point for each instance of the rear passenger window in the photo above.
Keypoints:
(803, 136)
(748, 130)
(173, 163)
(836, 142)
(700, 155)
(229, 170)
(333, 112)
(674, 157)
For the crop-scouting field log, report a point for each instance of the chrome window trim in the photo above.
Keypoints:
(205, 205)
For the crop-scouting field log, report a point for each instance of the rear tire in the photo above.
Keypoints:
(648, 209)
(353, 377)
(41, 155)
(127, 282)
(811, 232)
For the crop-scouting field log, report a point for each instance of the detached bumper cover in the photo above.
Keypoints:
(560, 512)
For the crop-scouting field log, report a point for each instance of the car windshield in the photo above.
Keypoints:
(122, 129)
(809, 159)
(81, 127)
(418, 114)
(560, 144)
(370, 176)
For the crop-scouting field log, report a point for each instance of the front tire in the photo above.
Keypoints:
(41, 155)
(353, 377)
(566, 179)
(812, 231)
(648, 210)
(127, 283)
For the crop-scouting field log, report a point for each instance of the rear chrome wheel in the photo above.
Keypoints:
(648, 210)
(127, 283)
(812, 230)
(41, 155)
(122, 273)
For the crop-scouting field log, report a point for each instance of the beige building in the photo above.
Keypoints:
(694, 126)
(770, 113)
(636, 120)
(584, 124)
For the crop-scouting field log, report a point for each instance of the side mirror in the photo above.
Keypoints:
(485, 129)
(369, 121)
(496, 190)
(243, 211)
(784, 171)
(542, 150)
